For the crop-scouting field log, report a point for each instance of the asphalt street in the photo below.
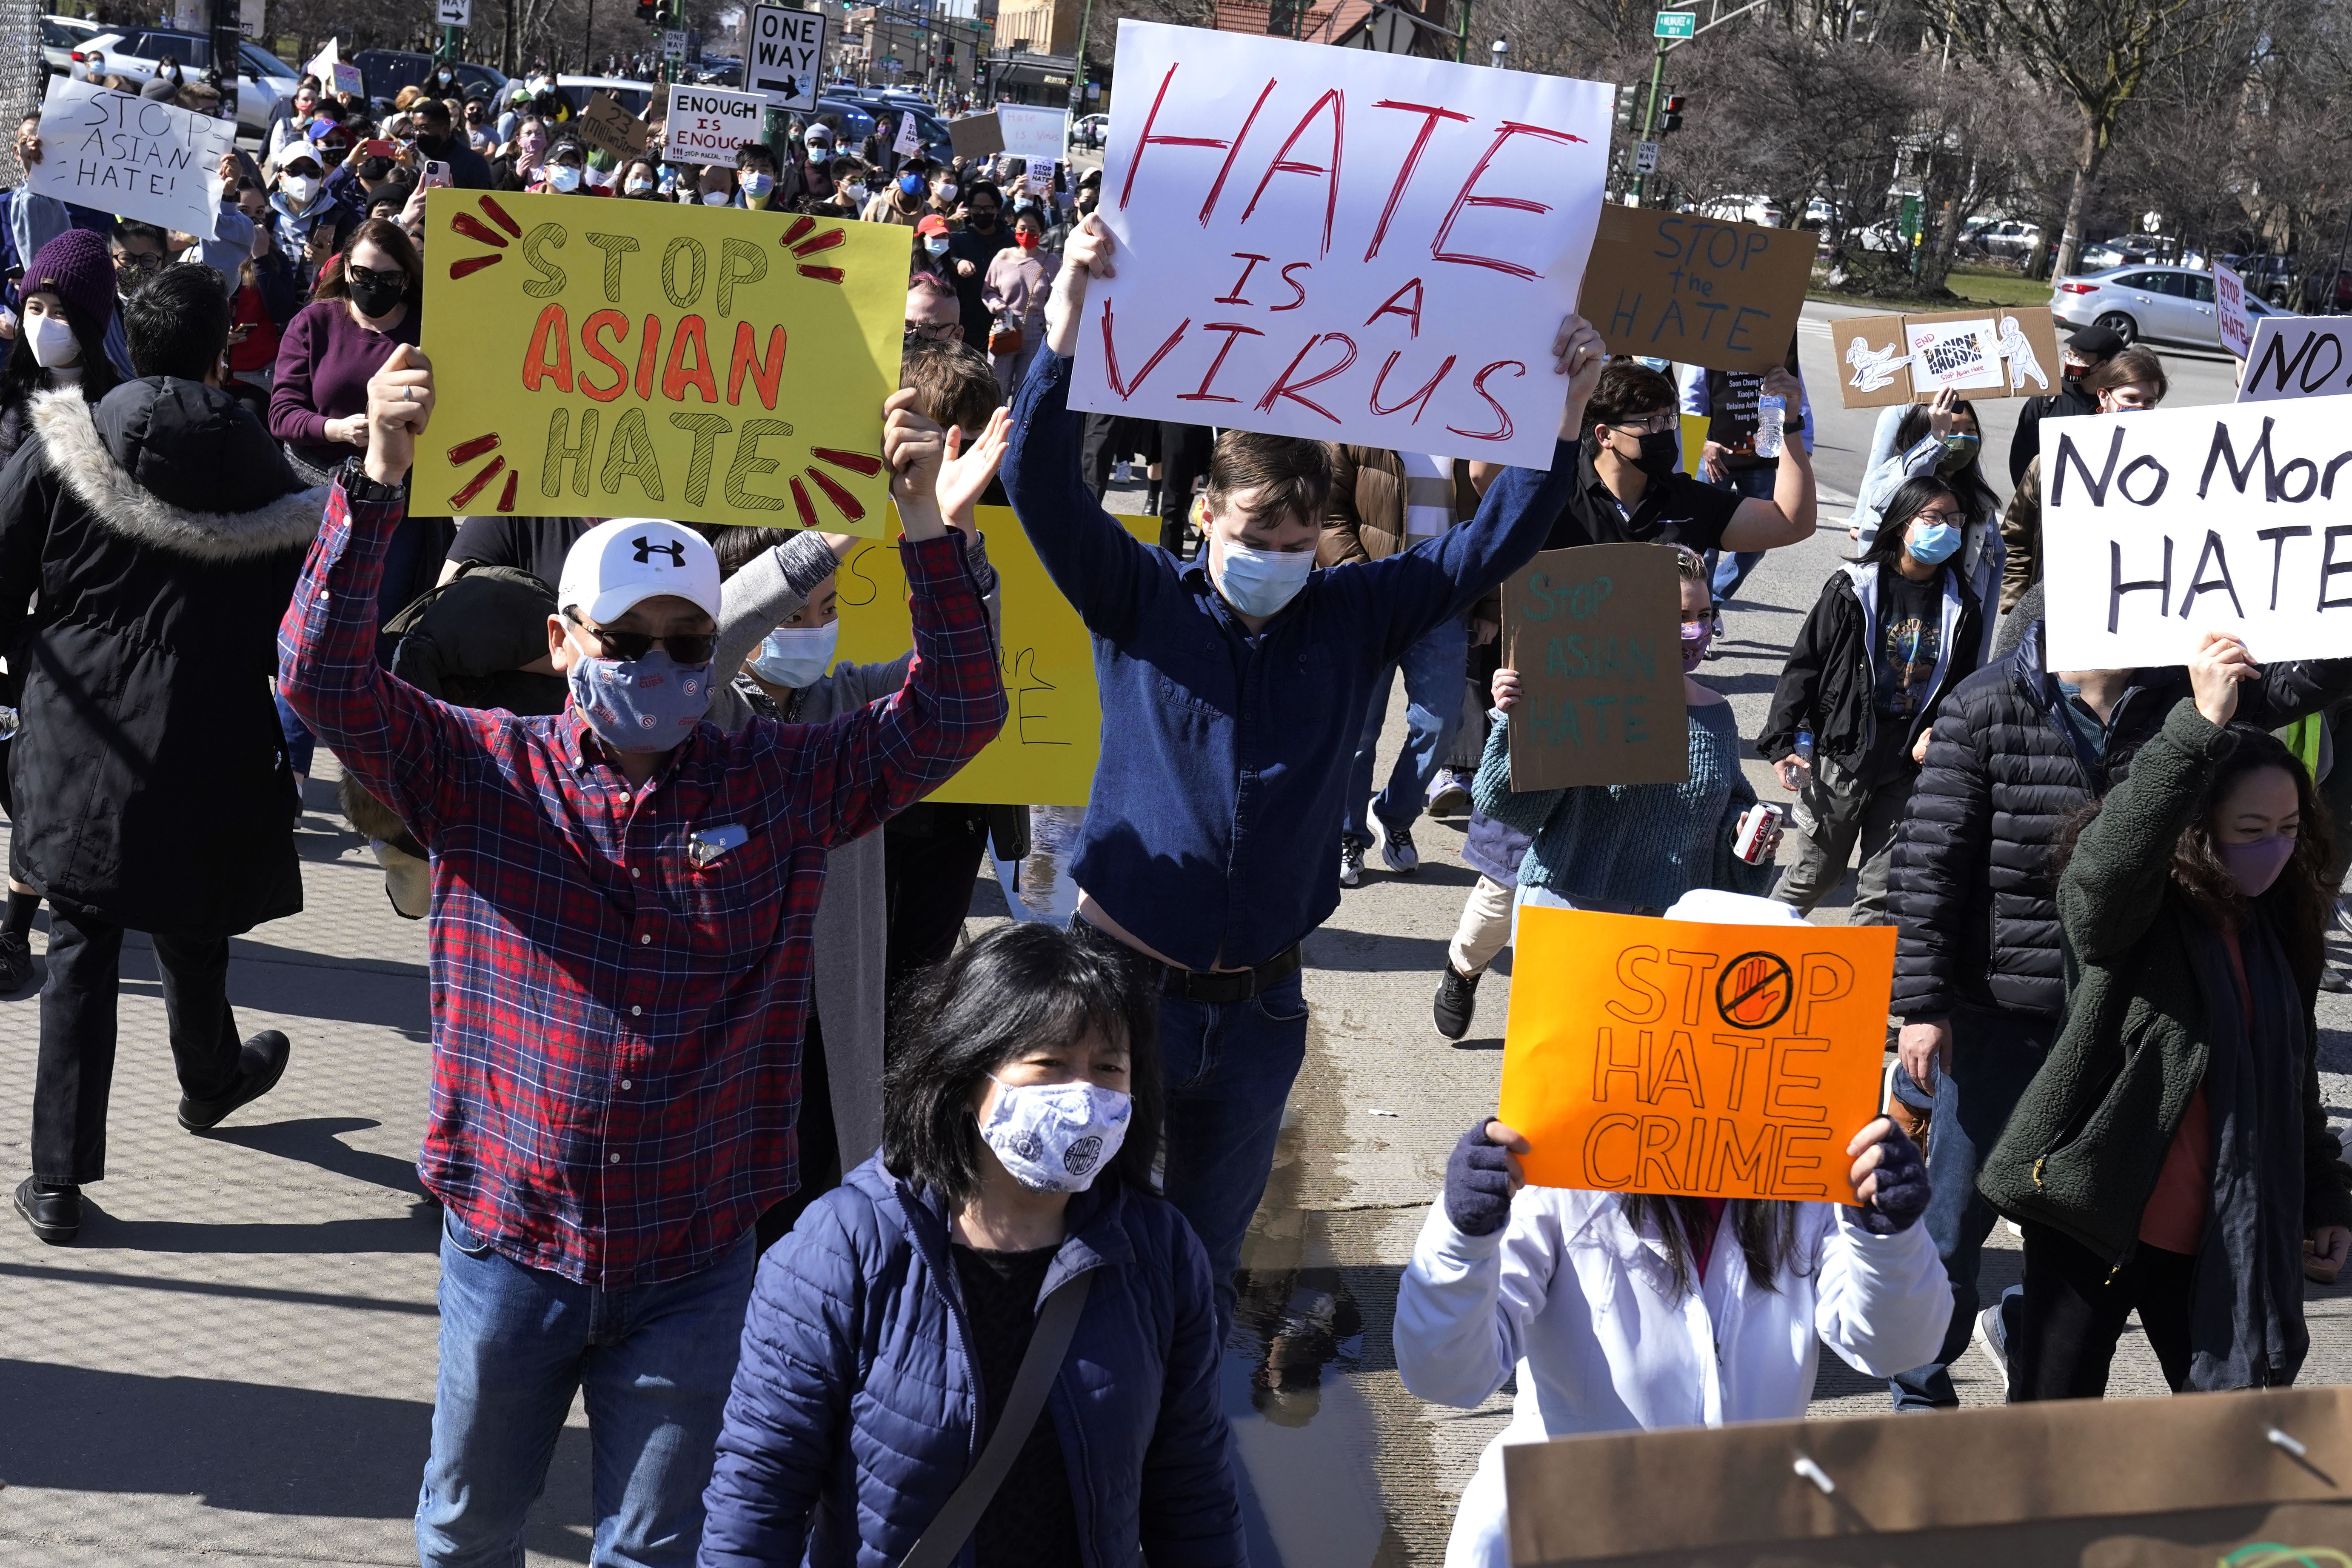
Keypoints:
(235, 1365)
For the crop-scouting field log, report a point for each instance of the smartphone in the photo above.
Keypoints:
(377, 147)
(437, 172)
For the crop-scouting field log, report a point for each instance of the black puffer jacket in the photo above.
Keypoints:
(162, 533)
(1970, 888)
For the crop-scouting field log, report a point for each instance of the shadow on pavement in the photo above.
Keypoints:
(247, 1447)
(419, 1230)
(316, 1142)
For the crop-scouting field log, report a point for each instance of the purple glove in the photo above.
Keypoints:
(1477, 1183)
(1902, 1187)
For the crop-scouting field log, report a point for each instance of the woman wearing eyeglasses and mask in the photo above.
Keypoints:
(1941, 439)
(1891, 634)
(1006, 1247)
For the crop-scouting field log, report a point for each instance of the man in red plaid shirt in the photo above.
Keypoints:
(622, 902)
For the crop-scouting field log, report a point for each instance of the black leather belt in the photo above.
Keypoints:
(1213, 986)
(1220, 985)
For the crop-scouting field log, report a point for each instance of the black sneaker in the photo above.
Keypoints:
(15, 963)
(1351, 860)
(53, 1212)
(1457, 998)
(261, 1065)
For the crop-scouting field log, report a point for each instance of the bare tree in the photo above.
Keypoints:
(2099, 54)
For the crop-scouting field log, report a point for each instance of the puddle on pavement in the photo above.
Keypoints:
(1305, 1436)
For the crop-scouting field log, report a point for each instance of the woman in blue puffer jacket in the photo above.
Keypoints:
(1020, 1122)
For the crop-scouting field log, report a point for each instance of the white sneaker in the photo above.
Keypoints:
(1352, 860)
(1122, 472)
(1397, 852)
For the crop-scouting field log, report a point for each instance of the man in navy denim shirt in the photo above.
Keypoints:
(1233, 690)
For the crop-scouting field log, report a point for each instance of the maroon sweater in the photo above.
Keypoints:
(323, 366)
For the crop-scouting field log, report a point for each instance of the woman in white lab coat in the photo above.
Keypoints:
(1616, 1315)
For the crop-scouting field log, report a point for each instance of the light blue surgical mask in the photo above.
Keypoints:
(1934, 544)
(796, 656)
(1261, 582)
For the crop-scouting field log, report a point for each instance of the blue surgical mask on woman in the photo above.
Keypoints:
(1934, 544)
(648, 705)
(796, 656)
(1261, 582)
(911, 183)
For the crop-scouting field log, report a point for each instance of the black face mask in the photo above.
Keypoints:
(1660, 456)
(984, 220)
(376, 297)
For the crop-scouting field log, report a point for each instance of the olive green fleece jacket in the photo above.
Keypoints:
(2083, 1149)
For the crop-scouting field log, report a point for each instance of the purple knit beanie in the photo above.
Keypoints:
(78, 267)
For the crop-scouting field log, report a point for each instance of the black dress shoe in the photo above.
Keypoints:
(53, 1212)
(15, 963)
(259, 1067)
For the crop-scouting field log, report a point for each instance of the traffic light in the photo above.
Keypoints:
(1629, 100)
(1670, 118)
(646, 12)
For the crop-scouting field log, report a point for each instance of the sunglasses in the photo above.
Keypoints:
(393, 276)
(138, 261)
(686, 648)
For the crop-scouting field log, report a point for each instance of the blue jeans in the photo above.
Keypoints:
(1432, 693)
(516, 1344)
(1994, 1056)
(1229, 1068)
(1726, 574)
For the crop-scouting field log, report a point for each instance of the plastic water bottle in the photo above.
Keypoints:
(1805, 744)
(1772, 416)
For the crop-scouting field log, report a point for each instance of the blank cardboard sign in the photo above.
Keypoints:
(2193, 1481)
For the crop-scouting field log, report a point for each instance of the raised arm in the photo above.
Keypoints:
(1480, 1272)
(846, 777)
(2114, 883)
(393, 738)
(1104, 571)
(1788, 518)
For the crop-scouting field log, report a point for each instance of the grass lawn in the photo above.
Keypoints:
(1986, 286)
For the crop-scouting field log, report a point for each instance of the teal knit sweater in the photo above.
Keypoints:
(1642, 845)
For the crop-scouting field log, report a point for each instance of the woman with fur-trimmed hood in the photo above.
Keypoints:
(148, 549)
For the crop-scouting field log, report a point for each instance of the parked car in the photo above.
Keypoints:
(633, 95)
(2171, 305)
(263, 80)
(1761, 210)
(2008, 237)
(384, 72)
(60, 36)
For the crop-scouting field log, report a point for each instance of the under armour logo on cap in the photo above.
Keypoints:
(647, 549)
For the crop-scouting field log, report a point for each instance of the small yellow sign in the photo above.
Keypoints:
(1047, 753)
(614, 358)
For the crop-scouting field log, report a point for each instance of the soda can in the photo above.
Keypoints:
(1749, 845)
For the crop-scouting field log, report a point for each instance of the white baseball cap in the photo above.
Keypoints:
(619, 563)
